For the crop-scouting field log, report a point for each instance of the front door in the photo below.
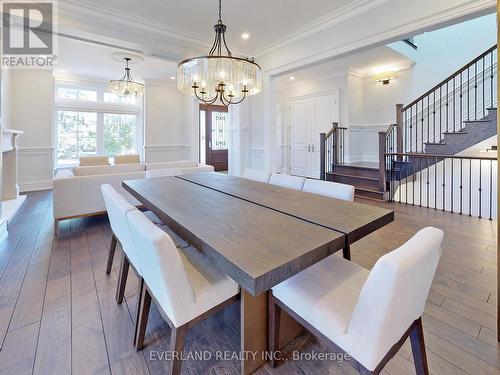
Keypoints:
(216, 135)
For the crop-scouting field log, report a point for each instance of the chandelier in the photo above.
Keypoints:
(126, 86)
(219, 76)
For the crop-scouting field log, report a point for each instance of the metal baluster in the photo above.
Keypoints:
(454, 108)
(480, 187)
(422, 127)
(461, 186)
(416, 127)
(491, 80)
(411, 126)
(470, 186)
(461, 98)
(468, 94)
(427, 162)
(491, 187)
(434, 118)
(440, 110)
(452, 184)
(412, 182)
(435, 183)
(428, 118)
(420, 177)
(444, 182)
(475, 91)
(484, 83)
(447, 107)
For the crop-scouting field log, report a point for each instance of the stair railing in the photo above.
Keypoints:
(465, 95)
(332, 149)
(461, 184)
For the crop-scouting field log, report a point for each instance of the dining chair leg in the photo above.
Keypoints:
(122, 280)
(346, 251)
(142, 317)
(111, 254)
(177, 339)
(418, 348)
(274, 318)
(138, 312)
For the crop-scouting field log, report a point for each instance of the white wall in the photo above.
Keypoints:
(167, 129)
(440, 53)
(31, 109)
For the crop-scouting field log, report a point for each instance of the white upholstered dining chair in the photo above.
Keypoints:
(367, 314)
(117, 208)
(185, 287)
(256, 175)
(330, 189)
(287, 181)
(168, 172)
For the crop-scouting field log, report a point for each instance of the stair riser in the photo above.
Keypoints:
(356, 181)
(368, 194)
(353, 171)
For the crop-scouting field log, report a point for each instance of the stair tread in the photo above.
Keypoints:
(355, 167)
(479, 120)
(353, 176)
(459, 132)
(367, 189)
(435, 143)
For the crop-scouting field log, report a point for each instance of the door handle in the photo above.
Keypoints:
(313, 148)
(308, 148)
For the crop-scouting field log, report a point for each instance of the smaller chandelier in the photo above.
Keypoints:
(219, 76)
(126, 86)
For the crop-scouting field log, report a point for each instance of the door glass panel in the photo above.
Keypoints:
(220, 131)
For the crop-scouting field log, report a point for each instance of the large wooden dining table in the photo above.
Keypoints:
(258, 234)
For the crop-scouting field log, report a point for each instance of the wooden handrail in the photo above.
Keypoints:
(461, 70)
(389, 130)
(440, 156)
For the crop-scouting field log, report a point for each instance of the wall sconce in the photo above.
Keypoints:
(385, 77)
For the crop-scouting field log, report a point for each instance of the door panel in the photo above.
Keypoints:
(216, 135)
(299, 143)
(309, 118)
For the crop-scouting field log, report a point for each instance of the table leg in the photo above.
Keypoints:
(254, 331)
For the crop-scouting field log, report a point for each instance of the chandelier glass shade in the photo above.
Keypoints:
(126, 86)
(219, 76)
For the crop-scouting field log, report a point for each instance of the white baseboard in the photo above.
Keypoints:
(36, 185)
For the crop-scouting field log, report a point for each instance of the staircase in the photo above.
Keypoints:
(363, 176)
(456, 114)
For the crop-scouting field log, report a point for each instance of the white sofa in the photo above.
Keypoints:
(77, 191)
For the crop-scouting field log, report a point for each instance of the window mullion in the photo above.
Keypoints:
(100, 133)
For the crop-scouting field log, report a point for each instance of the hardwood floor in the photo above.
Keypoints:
(58, 313)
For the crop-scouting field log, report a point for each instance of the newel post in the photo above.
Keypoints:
(322, 156)
(399, 129)
(381, 160)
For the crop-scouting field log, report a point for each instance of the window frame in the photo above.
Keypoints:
(100, 107)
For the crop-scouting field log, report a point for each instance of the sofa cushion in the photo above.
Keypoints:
(86, 161)
(108, 169)
(172, 164)
(127, 159)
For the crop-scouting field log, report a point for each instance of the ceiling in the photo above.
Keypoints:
(364, 64)
(97, 62)
(267, 21)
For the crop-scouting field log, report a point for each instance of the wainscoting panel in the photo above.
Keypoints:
(35, 168)
(363, 142)
(256, 158)
(159, 153)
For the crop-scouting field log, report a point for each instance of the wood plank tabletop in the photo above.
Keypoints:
(356, 220)
(256, 246)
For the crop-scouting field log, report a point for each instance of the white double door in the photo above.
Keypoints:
(308, 118)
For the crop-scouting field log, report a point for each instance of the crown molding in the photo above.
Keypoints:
(81, 11)
(336, 74)
(349, 11)
(390, 35)
(100, 15)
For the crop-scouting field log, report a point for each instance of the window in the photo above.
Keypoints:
(92, 121)
(76, 94)
(77, 135)
(119, 134)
